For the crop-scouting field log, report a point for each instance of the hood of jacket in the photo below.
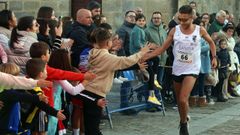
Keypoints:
(5, 32)
(95, 56)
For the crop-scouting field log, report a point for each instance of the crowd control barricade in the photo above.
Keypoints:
(129, 97)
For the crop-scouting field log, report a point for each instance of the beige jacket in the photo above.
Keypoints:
(8, 81)
(104, 64)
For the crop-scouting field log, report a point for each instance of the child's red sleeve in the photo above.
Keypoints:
(58, 74)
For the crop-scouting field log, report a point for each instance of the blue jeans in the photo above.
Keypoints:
(160, 74)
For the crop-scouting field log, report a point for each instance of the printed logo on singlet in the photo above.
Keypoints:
(185, 52)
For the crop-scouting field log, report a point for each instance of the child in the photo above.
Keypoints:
(58, 86)
(137, 41)
(225, 62)
(104, 65)
(34, 118)
(41, 50)
(77, 112)
(12, 98)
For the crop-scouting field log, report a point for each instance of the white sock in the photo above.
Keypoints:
(151, 92)
(76, 131)
(155, 76)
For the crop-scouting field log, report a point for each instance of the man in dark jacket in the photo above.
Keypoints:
(79, 34)
(124, 32)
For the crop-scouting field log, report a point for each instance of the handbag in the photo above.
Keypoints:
(212, 78)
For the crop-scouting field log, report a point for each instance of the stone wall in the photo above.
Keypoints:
(30, 7)
(115, 9)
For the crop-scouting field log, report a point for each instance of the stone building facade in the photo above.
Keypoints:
(30, 7)
(115, 9)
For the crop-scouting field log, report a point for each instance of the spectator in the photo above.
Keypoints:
(139, 10)
(193, 4)
(45, 36)
(7, 22)
(137, 41)
(156, 34)
(205, 18)
(124, 32)
(94, 7)
(22, 38)
(79, 34)
(218, 23)
(48, 13)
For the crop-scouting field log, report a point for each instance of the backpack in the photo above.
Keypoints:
(83, 63)
(9, 114)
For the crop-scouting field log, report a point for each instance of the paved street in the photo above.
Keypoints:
(218, 119)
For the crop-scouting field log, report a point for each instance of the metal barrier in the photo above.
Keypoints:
(131, 95)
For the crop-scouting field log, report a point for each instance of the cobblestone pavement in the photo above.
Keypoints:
(218, 119)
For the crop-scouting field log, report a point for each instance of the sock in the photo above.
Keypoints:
(155, 77)
(151, 93)
(76, 131)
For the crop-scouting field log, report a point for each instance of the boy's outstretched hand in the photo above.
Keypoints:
(44, 83)
(102, 102)
(60, 115)
(89, 76)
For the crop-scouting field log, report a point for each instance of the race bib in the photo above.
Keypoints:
(184, 57)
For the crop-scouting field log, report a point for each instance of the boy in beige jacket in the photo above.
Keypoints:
(104, 65)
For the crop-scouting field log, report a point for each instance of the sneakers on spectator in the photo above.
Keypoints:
(122, 78)
(157, 84)
(229, 96)
(211, 101)
(152, 98)
(117, 81)
(183, 129)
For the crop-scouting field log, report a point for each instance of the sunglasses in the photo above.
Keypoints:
(183, 20)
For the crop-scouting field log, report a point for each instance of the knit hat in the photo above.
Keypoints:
(93, 5)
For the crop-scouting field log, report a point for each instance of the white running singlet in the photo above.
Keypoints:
(186, 51)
